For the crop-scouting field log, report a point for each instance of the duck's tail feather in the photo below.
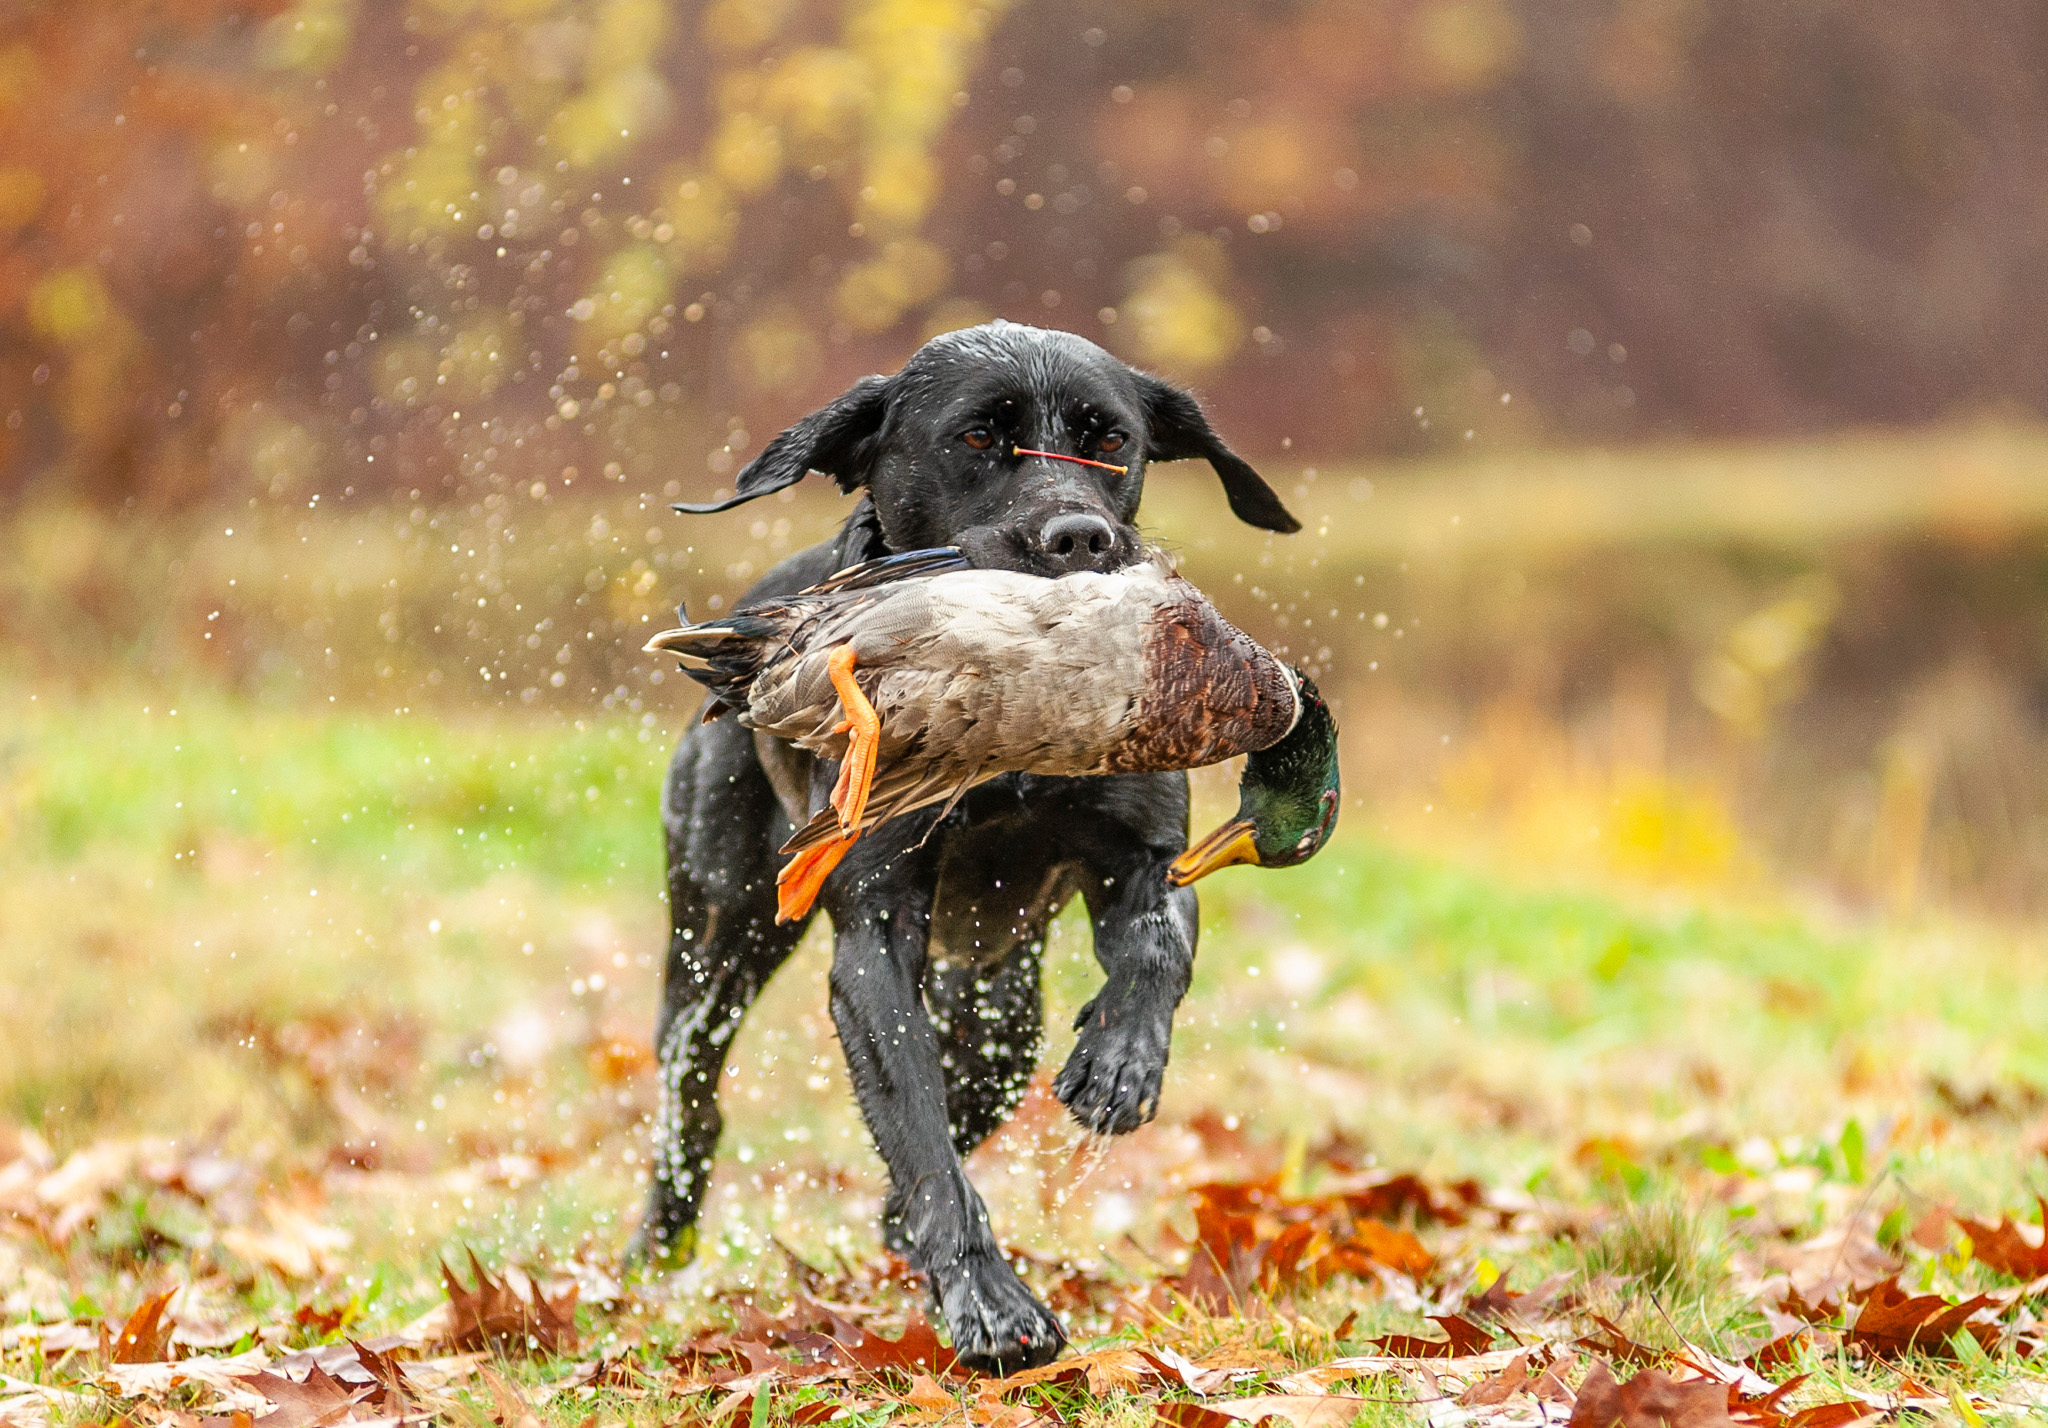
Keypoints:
(723, 655)
(886, 569)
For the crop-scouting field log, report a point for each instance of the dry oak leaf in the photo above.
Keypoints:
(1191, 1415)
(317, 1400)
(1466, 1339)
(918, 1351)
(931, 1401)
(1893, 1322)
(496, 1315)
(1652, 1399)
(1499, 1387)
(2005, 1247)
(1779, 1353)
(1103, 1371)
(1612, 1343)
(146, 1337)
(1300, 1410)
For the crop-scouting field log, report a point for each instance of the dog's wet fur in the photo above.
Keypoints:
(938, 933)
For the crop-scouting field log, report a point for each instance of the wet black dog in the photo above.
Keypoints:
(935, 971)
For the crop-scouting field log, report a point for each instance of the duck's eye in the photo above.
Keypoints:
(1111, 441)
(978, 437)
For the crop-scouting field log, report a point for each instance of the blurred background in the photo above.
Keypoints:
(1662, 384)
(440, 303)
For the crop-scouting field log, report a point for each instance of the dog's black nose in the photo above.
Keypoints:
(1077, 540)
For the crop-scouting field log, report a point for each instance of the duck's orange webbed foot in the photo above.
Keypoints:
(796, 886)
(857, 770)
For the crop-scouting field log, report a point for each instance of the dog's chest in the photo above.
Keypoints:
(998, 888)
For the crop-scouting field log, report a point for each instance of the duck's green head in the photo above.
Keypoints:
(1287, 799)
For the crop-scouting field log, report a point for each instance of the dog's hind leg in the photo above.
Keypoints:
(991, 1025)
(724, 824)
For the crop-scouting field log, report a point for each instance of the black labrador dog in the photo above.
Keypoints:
(939, 931)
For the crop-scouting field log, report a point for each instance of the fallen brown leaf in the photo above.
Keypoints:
(495, 1315)
(2005, 1247)
(1191, 1415)
(1300, 1410)
(146, 1337)
(317, 1399)
(1466, 1338)
(1613, 1344)
(1499, 1387)
(1652, 1399)
(1779, 1352)
(1892, 1322)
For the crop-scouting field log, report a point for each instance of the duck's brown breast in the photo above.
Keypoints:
(1212, 692)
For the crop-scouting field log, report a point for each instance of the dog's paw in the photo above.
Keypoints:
(1111, 1081)
(997, 1327)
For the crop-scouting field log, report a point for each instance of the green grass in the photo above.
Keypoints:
(431, 946)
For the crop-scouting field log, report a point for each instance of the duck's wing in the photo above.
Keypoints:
(889, 568)
(729, 655)
(900, 788)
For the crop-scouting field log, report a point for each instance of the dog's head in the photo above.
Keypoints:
(974, 443)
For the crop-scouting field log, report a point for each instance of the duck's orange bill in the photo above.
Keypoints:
(857, 769)
(796, 886)
(1232, 843)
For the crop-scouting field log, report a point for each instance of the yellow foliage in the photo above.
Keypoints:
(70, 305)
(951, 316)
(702, 220)
(1176, 319)
(312, 36)
(1463, 45)
(872, 296)
(474, 362)
(902, 182)
(21, 196)
(434, 187)
(777, 350)
(819, 95)
(733, 25)
(1756, 668)
(626, 36)
(633, 287)
(599, 124)
(747, 152)
(1520, 772)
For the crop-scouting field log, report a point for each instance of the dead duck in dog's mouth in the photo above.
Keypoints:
(926, 677)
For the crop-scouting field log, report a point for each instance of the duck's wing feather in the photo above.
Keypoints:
(883, 570)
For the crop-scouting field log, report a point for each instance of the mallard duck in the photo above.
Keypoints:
(925, 677)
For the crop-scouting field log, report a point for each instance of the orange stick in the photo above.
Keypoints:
(857, 770)
(797, 885)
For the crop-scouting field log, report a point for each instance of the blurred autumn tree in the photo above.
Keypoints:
(251, 247)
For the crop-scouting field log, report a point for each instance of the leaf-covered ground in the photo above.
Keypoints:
(303, 1011)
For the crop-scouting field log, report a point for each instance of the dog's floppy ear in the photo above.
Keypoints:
(1176, 430)
(837, 439)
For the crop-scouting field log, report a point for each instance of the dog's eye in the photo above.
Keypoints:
(978, 437)
(1111, 441)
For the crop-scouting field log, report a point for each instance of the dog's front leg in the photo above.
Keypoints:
(1145, 934)
(880, 900)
